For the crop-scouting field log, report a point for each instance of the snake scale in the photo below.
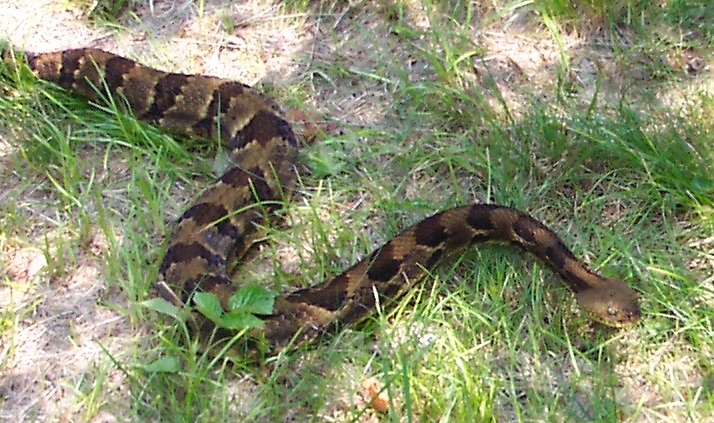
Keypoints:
(223, 221)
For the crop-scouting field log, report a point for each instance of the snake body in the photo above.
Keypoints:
(222, 222)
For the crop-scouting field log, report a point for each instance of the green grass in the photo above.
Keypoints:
(620, 167)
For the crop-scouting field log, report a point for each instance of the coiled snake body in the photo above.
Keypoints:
(221, 224)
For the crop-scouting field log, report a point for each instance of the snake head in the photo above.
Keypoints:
(611, 303)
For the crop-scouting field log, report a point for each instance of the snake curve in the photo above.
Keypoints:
(221, 223)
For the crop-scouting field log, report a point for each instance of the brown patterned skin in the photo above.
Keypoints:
(221, 224)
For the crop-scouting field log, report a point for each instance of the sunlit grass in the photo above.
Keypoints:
(624, 177)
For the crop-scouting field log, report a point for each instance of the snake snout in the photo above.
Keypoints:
(613, 304)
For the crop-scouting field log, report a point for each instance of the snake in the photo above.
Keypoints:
(224, 221)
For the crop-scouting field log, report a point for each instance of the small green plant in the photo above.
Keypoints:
(243, 306)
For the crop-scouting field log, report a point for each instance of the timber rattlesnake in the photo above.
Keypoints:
(221, 224)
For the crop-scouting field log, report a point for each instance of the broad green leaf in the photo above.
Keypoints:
(240, 320)
(164, 307)
(252, 299)
(163, 365)
(209, 305)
